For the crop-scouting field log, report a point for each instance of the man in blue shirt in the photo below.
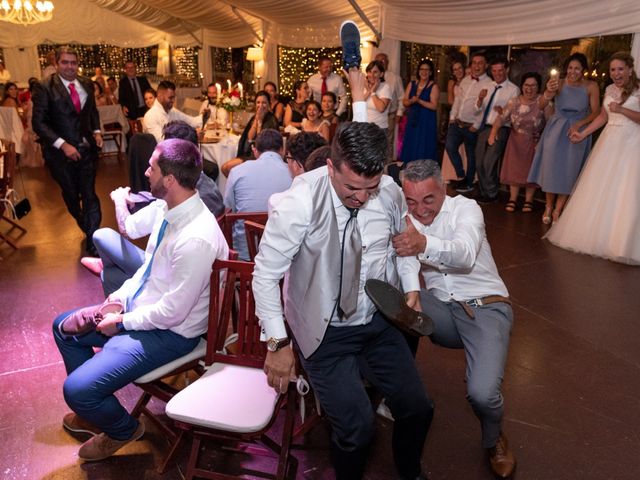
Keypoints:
(252, 183)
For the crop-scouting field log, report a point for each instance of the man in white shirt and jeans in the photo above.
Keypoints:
(166, 305)
(464, 297)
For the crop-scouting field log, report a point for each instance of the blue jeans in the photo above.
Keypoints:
(93, 378)
(456, 136)
(120, 257)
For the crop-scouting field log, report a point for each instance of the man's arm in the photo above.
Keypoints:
(342, 97)
(41, 115)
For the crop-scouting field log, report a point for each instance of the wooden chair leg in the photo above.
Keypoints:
(171, 454)
(14, 224)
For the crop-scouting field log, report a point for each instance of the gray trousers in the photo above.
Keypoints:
(485, 340)
(488, 160)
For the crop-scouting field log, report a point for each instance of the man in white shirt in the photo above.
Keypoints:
(164, 112)
(312, 234)
(465, 297)
(464, 122)
(328, 81)
(491, 103)
(396, 108)
(215, 115)
(166, 305)
(252, 183)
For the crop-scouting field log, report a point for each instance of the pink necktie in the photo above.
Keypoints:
(75, 98)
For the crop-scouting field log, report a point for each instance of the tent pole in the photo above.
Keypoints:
(366, 20)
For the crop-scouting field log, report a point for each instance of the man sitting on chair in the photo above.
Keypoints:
(166, 305)
(118, 258)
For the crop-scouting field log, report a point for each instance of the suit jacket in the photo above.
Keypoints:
(127, 97)
(54, 115)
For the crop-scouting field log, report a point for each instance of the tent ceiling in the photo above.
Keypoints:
(232, 23)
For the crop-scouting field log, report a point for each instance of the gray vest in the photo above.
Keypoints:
(314, 275)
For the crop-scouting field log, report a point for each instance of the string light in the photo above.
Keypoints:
(186, 61)
(300, 63)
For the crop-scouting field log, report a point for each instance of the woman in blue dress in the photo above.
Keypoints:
(557, 162)
(421, 102)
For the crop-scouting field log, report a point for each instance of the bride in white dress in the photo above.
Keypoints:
(602, 217)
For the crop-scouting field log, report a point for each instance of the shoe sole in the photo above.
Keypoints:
(355, 33)
(70, 429)
(391, 303)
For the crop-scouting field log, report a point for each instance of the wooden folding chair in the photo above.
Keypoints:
(230, 218)
(254, 232)
(232, 401)
(114, 127)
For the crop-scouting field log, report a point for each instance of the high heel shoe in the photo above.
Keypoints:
(546, 216)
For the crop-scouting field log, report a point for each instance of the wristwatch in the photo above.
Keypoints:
(275, 344)
(120, 327)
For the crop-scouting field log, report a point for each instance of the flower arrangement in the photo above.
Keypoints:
(230, 100)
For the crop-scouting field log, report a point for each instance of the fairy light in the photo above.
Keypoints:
(300, 63)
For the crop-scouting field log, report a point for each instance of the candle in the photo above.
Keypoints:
(228, 85)
(240, 89)
(218, 90)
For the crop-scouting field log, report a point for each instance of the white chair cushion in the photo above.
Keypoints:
(167, 368)
(226, 397)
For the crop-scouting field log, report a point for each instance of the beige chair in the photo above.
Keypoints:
(232, 403)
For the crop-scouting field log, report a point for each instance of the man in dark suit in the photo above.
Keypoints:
(131, 92)
(66, 119)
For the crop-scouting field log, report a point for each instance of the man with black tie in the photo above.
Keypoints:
(131, 92)
(66, 119)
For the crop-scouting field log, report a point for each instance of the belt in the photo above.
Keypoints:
(481, 302)
(462, 124)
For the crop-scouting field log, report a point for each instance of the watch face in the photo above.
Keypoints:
(272, 345)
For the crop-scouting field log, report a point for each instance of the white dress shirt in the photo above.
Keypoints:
(457, 263)
(506, 92)
(156, 118)
(289, 222)
(217, 114)
(176, 294)
(464, 106)
(397, 93)
(83, 94)
(381, 119)
(334, 84)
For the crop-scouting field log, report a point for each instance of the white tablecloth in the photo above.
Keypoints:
(221, 152)
(11, 127)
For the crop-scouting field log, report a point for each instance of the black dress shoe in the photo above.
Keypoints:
(391, 303)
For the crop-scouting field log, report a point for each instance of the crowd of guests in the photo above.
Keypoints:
(335, 220)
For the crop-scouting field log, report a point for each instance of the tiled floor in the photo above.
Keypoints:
(571, 386)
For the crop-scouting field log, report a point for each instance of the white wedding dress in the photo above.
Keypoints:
(602, 217)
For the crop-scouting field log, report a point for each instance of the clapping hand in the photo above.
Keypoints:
(498, 109)
(482, 94)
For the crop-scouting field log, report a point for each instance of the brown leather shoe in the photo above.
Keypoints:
(103, 446)
(85, 319)
(76, 424)
(391, 303)
(501, 458)
(93, 264)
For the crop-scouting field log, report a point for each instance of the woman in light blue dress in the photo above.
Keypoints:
(557, 162)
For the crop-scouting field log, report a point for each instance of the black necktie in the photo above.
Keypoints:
(488, 109)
